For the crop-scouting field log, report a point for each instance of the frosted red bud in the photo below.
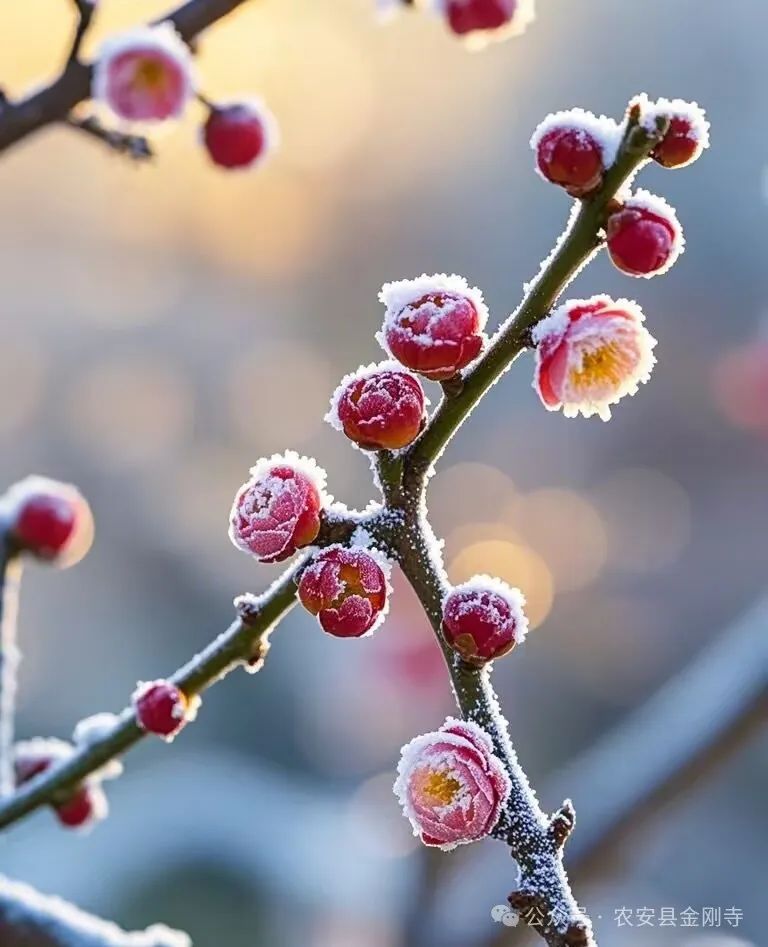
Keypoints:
(346, 589)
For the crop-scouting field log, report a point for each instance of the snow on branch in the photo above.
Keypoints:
(31, 919)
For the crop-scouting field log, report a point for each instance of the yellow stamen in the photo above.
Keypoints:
(150, 75)
(609, 364)
(439, 788)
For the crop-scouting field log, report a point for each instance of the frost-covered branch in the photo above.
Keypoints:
(30, 919)
(576, 247)
(543, 897)
(243, 644)
(10, 577)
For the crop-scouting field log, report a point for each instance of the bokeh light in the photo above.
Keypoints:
(516, 564)
(647, 518)
(129, 411)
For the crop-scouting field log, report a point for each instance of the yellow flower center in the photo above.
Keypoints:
(601, 367)
(439, 788)
(149, 75)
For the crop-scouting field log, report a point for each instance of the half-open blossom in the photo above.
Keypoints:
(574, 148)
(145, 75)
(163, 708)
(644, 236)
(485, 21)
(278, 510)
(451, 785)
(48, 519)
(378, 407)
(433, 324)
(347, 589)
(240, 135)
(589, 354)
(483, 619)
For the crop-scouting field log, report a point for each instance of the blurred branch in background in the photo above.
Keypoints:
(683, 734)
(10, 577)
(54, 102)
(136, 147)
(30, 919)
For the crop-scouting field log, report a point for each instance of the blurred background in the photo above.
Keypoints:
(164, 326)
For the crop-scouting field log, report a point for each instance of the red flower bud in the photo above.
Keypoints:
(278, 510)
(687, 135)
(86, 806)
(346, 589)
(486, 20)
(644, 236)
(483, 619)
(433, 324)
(239, 136)
(162, 708)
(48, 519)
(379, 407)
(574, 148)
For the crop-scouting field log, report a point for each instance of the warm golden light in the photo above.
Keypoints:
(517, 564)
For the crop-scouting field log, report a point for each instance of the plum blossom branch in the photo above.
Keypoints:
(54, 102)
(580, 242)
(589, 354)
(543, 898)
(244, 643)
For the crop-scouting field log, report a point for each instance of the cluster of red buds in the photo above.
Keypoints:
(590, 353)
(146, 77)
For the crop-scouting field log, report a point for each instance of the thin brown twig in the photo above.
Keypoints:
(136, 147)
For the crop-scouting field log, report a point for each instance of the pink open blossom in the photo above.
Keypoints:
(278, 510)
(589, 354)
(451, 785)
(145, 75)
